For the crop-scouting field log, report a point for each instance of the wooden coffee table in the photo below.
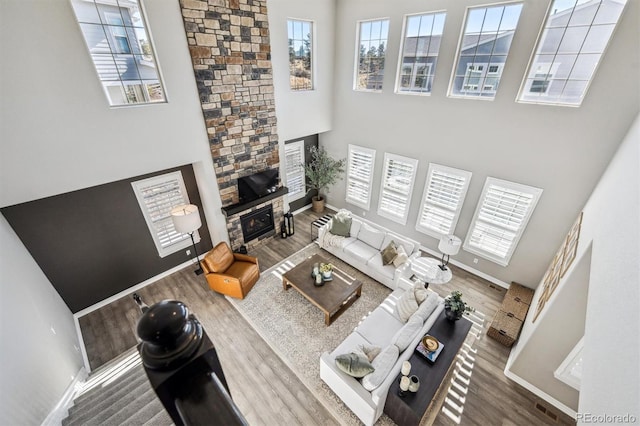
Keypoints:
(333, 298)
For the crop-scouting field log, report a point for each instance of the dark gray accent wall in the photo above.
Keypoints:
(309, 141)
(94, 243)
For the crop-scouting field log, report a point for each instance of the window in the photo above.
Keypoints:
(420, 46)
(444, 193)
(397, 185)
(372, 47)
(300, 54)
(294, 159)
(500, 219)
(483, 50)
(121, 50)
(569, 49)
(360, 164)
(157, 196)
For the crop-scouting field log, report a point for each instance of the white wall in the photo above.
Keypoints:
(562, 150)
(609, 238)
(302, 113)
(58, 135)
(36, 365)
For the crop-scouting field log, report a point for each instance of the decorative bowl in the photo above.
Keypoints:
(431, 343)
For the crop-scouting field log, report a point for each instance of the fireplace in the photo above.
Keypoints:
(257, 223)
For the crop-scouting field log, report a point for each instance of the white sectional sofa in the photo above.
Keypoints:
(361, 249)
(383, 328)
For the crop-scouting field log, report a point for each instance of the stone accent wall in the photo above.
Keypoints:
(231, 54)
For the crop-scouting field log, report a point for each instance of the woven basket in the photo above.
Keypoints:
(520, 292)
(504, 328)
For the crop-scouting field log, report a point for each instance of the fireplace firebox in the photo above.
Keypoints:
(257, 223)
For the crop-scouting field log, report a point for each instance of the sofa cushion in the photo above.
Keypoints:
(379, 327)
(401, 258)
(355, 227)
(340, 226)
(354, 364)
(361, 251)
(389, 253)
(407, 305)
(408, 245)
(405, 335)
(427, 307)
(375, 263)
(371, 236)
(383, 364)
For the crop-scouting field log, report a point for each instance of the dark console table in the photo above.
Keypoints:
(410, 408)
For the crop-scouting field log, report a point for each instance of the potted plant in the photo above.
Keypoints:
(321, 172)
(454, 306)
(326, 270)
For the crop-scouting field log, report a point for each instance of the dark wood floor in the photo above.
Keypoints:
(267, 391)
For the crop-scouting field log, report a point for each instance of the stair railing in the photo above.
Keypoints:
(183, 366)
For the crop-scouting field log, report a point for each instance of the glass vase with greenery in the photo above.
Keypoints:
(454, 306)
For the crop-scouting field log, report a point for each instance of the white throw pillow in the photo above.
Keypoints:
(420, 292)
(405, 335)
(383, 365)
(371, 236)
(427, 307)
(371, 352)
(401, 258)
(407, 305)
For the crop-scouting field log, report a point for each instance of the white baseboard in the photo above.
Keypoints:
(437, 254)
(117, 296)
(301, 209)
(61, 410)
(540, 393)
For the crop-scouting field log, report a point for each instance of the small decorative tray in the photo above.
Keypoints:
(431, 356)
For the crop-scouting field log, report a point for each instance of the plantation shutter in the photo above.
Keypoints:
(444, 195)
(157, 196)
(294, 159)
(397, 185)
(501, 218)
(360, 175)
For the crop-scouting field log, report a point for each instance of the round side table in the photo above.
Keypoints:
(428, 270)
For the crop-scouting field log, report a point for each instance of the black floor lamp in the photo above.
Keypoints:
(186, 220)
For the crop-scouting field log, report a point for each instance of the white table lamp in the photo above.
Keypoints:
(186, 220)
(449, 246)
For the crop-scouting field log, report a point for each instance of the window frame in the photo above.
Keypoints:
(292, 195)
(384, 188)
(534, 192)
(184, 241)
(435, 168)
(431, 74)
(368, 182)
(357, 52)
(486, 95)
(311, 55)
(131, 92)
(525, 87)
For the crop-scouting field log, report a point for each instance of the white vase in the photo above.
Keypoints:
(414, 384)
(404, 383)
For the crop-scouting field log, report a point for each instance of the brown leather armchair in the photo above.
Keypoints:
(233, 274)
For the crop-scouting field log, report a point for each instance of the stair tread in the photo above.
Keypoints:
(131, 379)
(116, 399)
(96, 391)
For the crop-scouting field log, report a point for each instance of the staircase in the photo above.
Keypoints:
(118, 393)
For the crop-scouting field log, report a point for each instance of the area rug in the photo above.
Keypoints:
(295, 329)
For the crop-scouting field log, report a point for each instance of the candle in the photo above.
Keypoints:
(404, 383)
(406, 368)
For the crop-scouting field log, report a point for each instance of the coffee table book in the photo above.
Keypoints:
(430, 356)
